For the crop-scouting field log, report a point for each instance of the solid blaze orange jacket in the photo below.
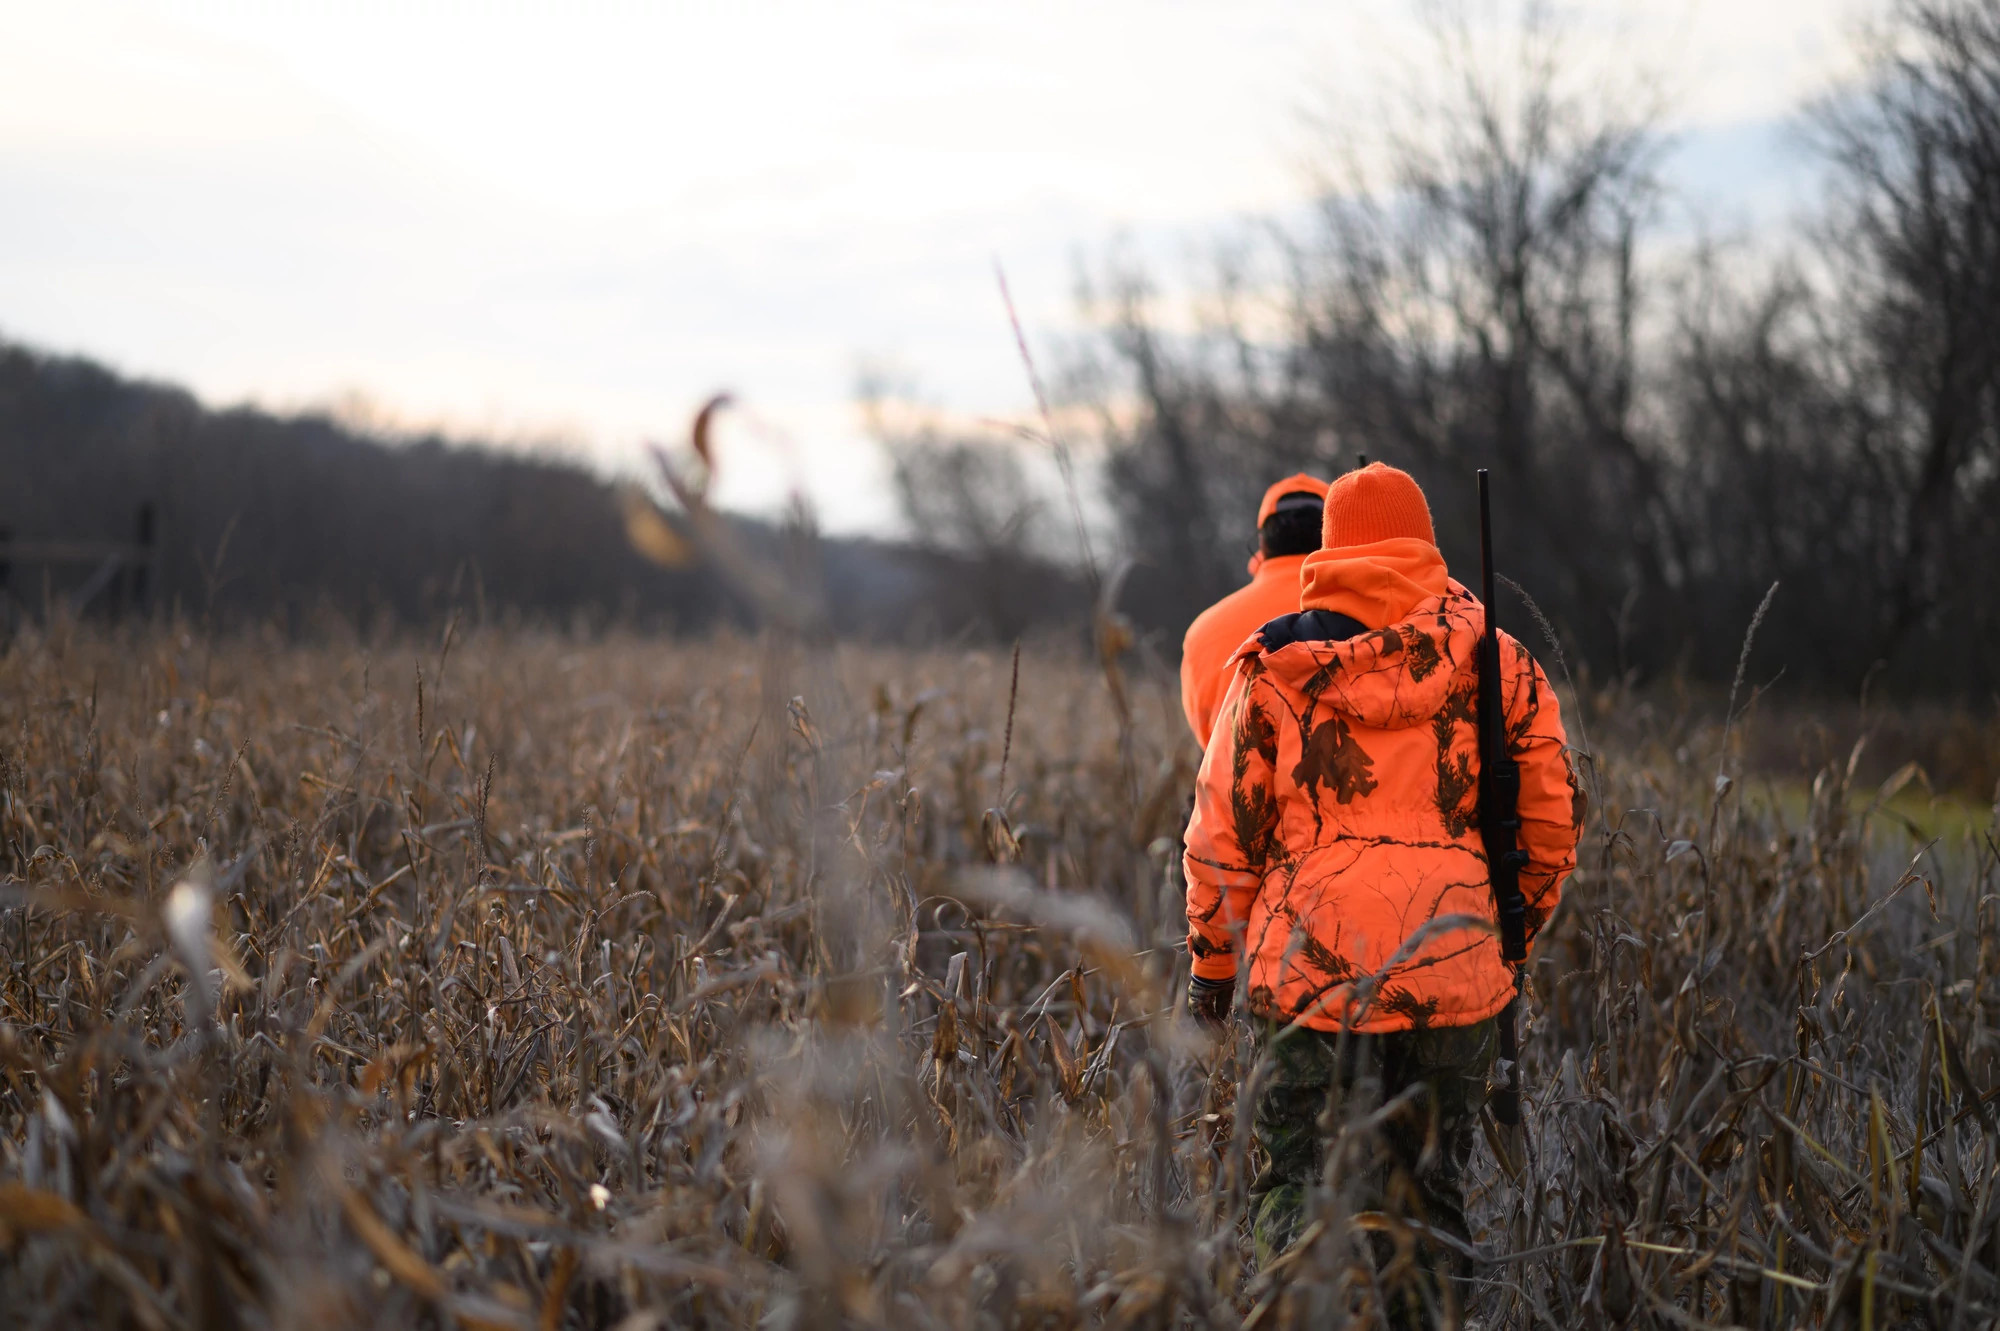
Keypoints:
(1335, 844)
(1208, 653)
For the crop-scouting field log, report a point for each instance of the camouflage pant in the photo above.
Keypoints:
(1414, 1167)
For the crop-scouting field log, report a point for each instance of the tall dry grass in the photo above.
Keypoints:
(509, 981)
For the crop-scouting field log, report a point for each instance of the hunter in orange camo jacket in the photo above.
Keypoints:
(1336, 812)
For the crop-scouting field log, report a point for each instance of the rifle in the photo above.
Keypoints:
(1500, 825)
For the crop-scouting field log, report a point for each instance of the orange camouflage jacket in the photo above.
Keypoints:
(1335, 832)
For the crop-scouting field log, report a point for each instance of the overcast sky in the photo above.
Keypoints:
(580, 219)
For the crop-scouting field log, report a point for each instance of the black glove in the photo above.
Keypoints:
(1209, 1000)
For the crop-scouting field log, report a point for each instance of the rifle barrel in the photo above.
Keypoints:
(1499, 820)
(1486, 552)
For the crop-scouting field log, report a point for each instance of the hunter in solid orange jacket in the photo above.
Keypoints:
(1334, 847)
(1208, 653)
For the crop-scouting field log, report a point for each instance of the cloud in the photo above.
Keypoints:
(580, 220)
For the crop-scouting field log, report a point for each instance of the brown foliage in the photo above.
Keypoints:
(515, 983)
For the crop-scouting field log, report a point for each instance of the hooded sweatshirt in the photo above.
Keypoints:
(1208, 654)
(1334, 848)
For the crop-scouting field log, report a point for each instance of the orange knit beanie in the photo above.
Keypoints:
(1375, 503)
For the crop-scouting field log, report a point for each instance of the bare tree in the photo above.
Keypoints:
(1916, 224)
(972, 503)
(1669, 438)
(1775, 476)
(1473, 303)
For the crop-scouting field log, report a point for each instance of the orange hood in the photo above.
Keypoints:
(1378, 583)
(1401, 674)
(1394, 677)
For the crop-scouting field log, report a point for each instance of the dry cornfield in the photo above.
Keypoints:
(515, 981)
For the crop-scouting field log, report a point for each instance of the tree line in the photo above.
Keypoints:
(313, 526)
(1672, 429)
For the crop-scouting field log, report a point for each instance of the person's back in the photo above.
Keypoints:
(1335, 855)
(1288, 529)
